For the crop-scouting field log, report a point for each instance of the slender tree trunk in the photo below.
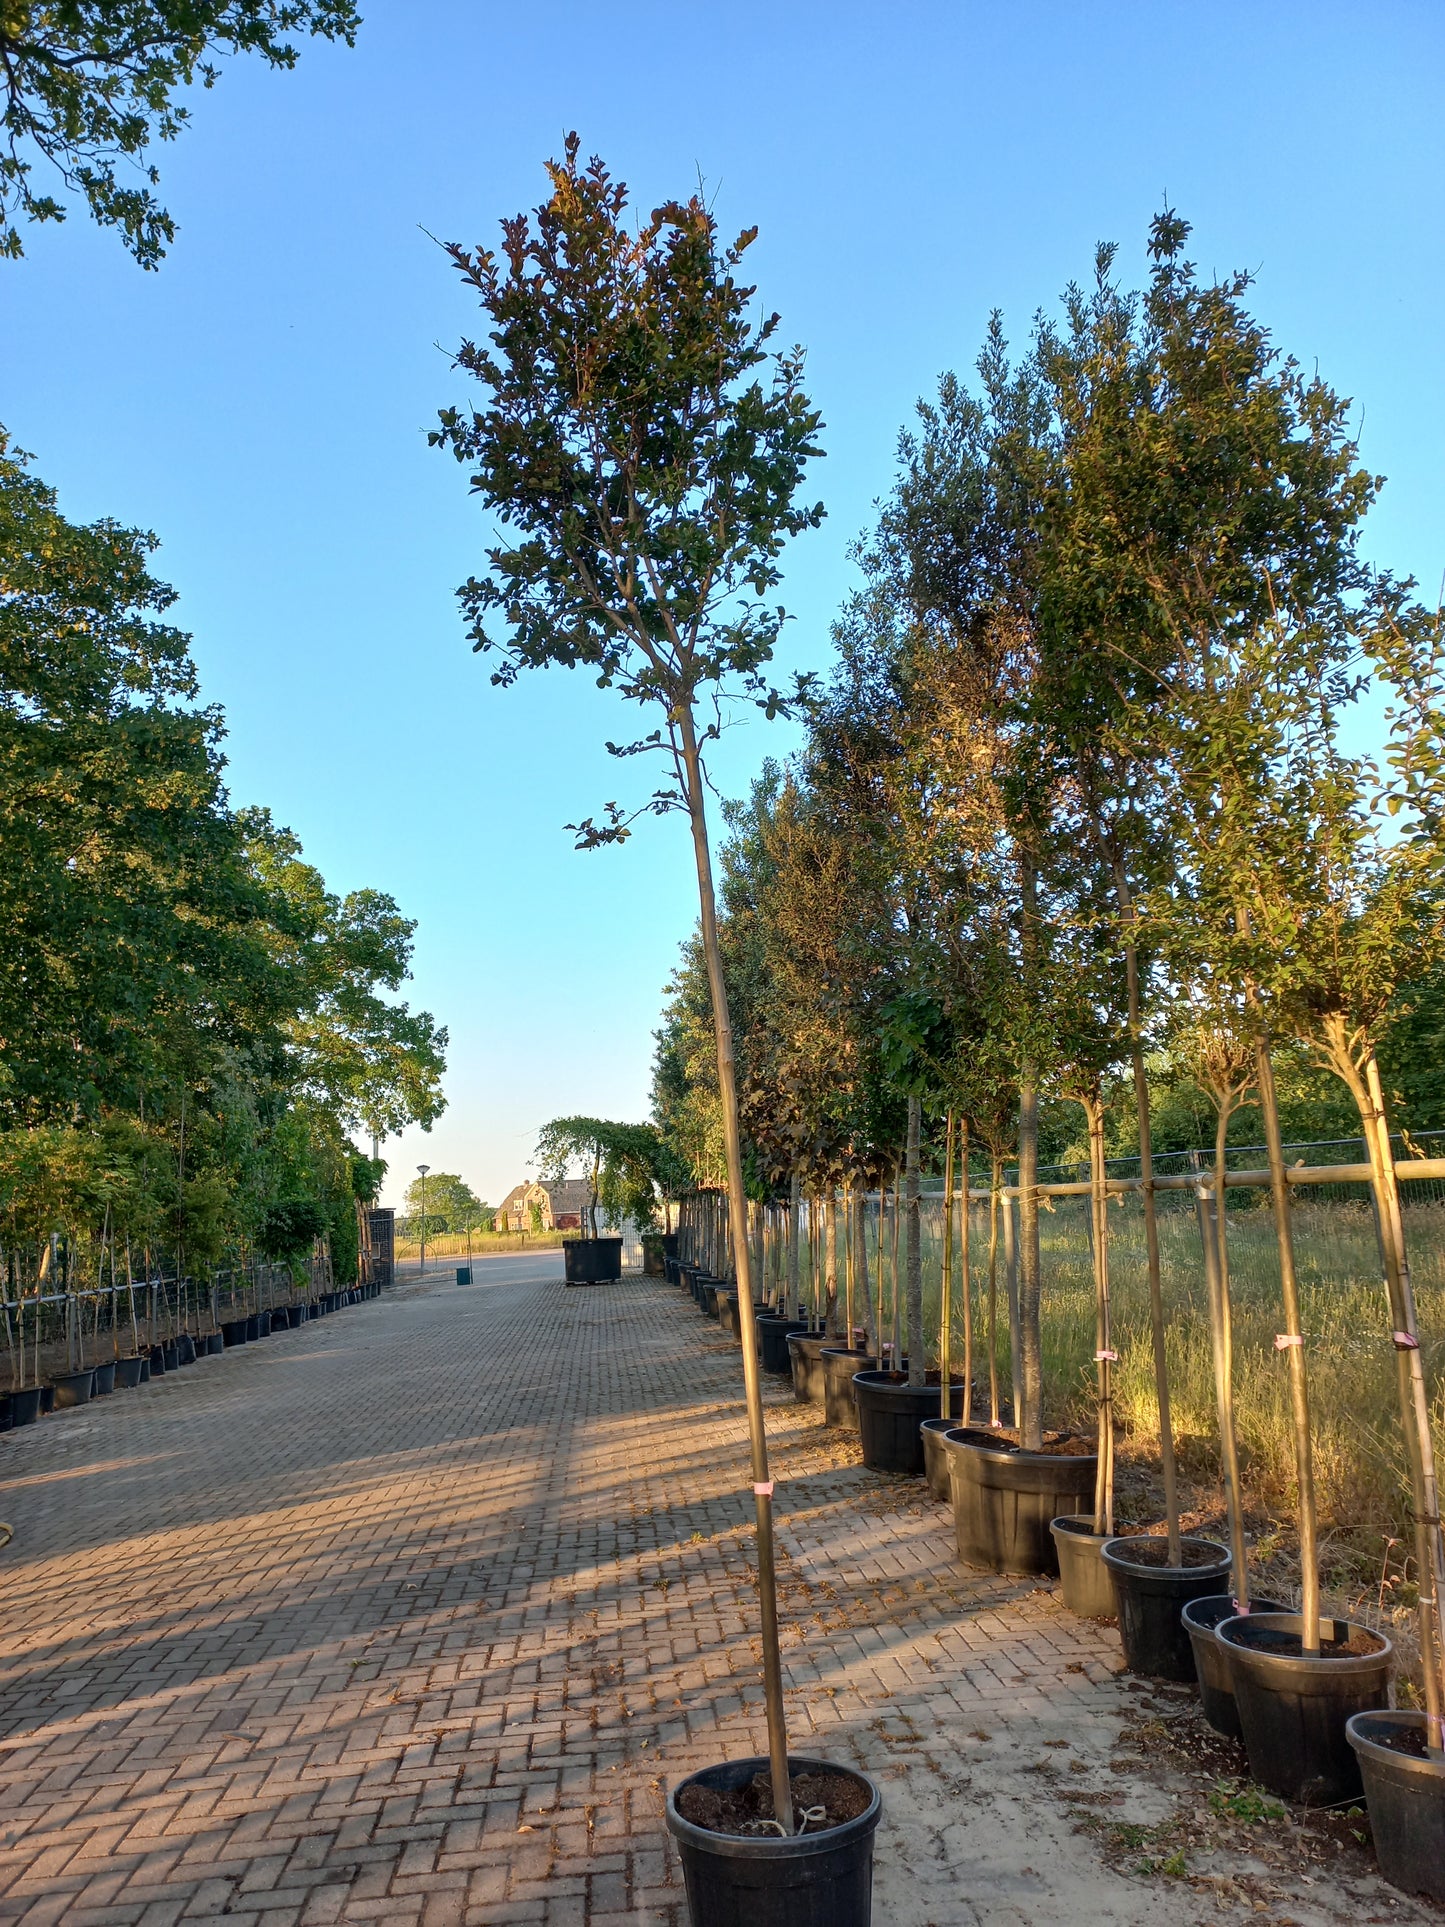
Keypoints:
(1413, 1393)
(880, 1324)
(795, 1192)
(865, 1291)
(897, 1314)
(1031, 1376)
(965, 1282)
(1011, 1282)
(913, 1246)
(1213, 1225)
(1291, 1342)
(1103, 1339)
(1167, 1463)
(994, 1199)
(830, 1260)
(945, 1292)
(737, 1206)
(847, 1236)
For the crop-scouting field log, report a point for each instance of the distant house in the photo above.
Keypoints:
(561, 1205)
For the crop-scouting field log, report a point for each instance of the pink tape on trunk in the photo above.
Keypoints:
(1403, 1342)
(764, 1491)
(1283, 1340)
(1112, 1357)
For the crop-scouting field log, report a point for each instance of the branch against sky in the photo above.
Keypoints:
(90, 84)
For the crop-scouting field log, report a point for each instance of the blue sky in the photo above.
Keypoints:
(262, 402)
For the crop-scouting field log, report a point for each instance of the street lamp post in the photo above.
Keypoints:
(423, 1168)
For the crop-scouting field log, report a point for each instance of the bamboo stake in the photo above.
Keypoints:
(945, 1308)
(993, 1204)
(1103, 1352)
(966, 1283)
(1221, 1331)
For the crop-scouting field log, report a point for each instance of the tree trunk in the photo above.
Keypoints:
(865, 1293)
(830, 1261)
(913, 1245)
(795, 1192)
(994, 1199)
(1103, 1341)
(1213, 1227)
(1030, 1413)
(945, 1295)
(1294, 1350)
(737, 1208)
(1151, 1223)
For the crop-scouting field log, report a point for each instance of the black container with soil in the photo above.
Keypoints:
(728, 1315)
(935, 1458)
(839, 1363)
(822, 1876)
(233, 1331)
(773, 1335)
(215, 1344)
(805, 1351)
(1212, 1663)
(73, 1388)
(25, 1405)
(1005, 1499)
(129, 1372)
(1152, 1594)
(1084, 1580)
(890, 1412)
(592, 1261)
(1405, 1792)
(1294, 1709)
(104, 1376)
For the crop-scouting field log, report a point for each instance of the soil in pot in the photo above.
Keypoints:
(1005, 1499)
(890, 1411)
(1085, 1581)
(1295, 1709)
(1152, 1594)
(25, 1405)
(104, 1376)
(1212, 1667)
(1405, 1792)
(839, 1363)
(820, 1877)
(73, 1388)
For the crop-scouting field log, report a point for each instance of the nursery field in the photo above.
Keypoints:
(412, 1614)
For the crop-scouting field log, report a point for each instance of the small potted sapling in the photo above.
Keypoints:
(641, 443)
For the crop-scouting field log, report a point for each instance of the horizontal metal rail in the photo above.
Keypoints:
(1207, 1177)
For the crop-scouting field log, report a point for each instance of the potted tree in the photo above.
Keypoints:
(625, 437)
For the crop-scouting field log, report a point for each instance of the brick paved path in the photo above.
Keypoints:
(410, 1615)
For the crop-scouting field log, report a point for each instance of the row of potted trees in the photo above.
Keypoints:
(1316, 1724)
(63, 1390)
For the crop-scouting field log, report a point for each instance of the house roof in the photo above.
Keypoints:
(568, 1194)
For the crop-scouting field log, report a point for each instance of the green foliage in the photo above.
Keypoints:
(290, 1226)
(90, 84)
(626, 1165)
(451, 1203)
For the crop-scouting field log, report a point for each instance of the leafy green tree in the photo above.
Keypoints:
(647, 477)
(90, 84)
(450, 1202)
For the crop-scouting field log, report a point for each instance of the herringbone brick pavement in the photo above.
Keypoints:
(410, 1615)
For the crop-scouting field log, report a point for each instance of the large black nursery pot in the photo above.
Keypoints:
(773, 1335)
(729, 1315)
(129, 1372)
(104, 1377)
(652, 1255)
(1295, 1711)
(253, 1328)
(25, 1405)
(73, 1388)
(805, 1350)
(185, 1349)
(592, 1261)
(233, 1331)
(1152, 1594)
(215, 1344)
(264, 1318)
(935, 1458)
(1212, 1662)
(820, 1879)
(890, 1412)
(171, 1355)
(157, 1357)
(839, 1363)
(1085, 1581)
(47, 1400)
(707, 1291)
(1405, 1792)
(1005, 1499)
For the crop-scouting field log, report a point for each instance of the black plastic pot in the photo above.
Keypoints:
(1085, 1581)
(839, 1363)
(1294, 1711)
(47, 1400)
(773, 1335)
(592, 1261)
(264, 1318)
(1405, 1793)
(157, 1356)
(707, 1291)
(280, 1320)
(1005, 1500)
(935, 1458)
(805, 1352)
(1212, 1662)
(25, 1405)
(890, 1411)
(104, 1376)
(253, 1328)
(810, 1880)
(130, 1372)
(73, 1388)
(215, 1344)
(1151, 1598)
(234, 1331)
(185, 1349)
